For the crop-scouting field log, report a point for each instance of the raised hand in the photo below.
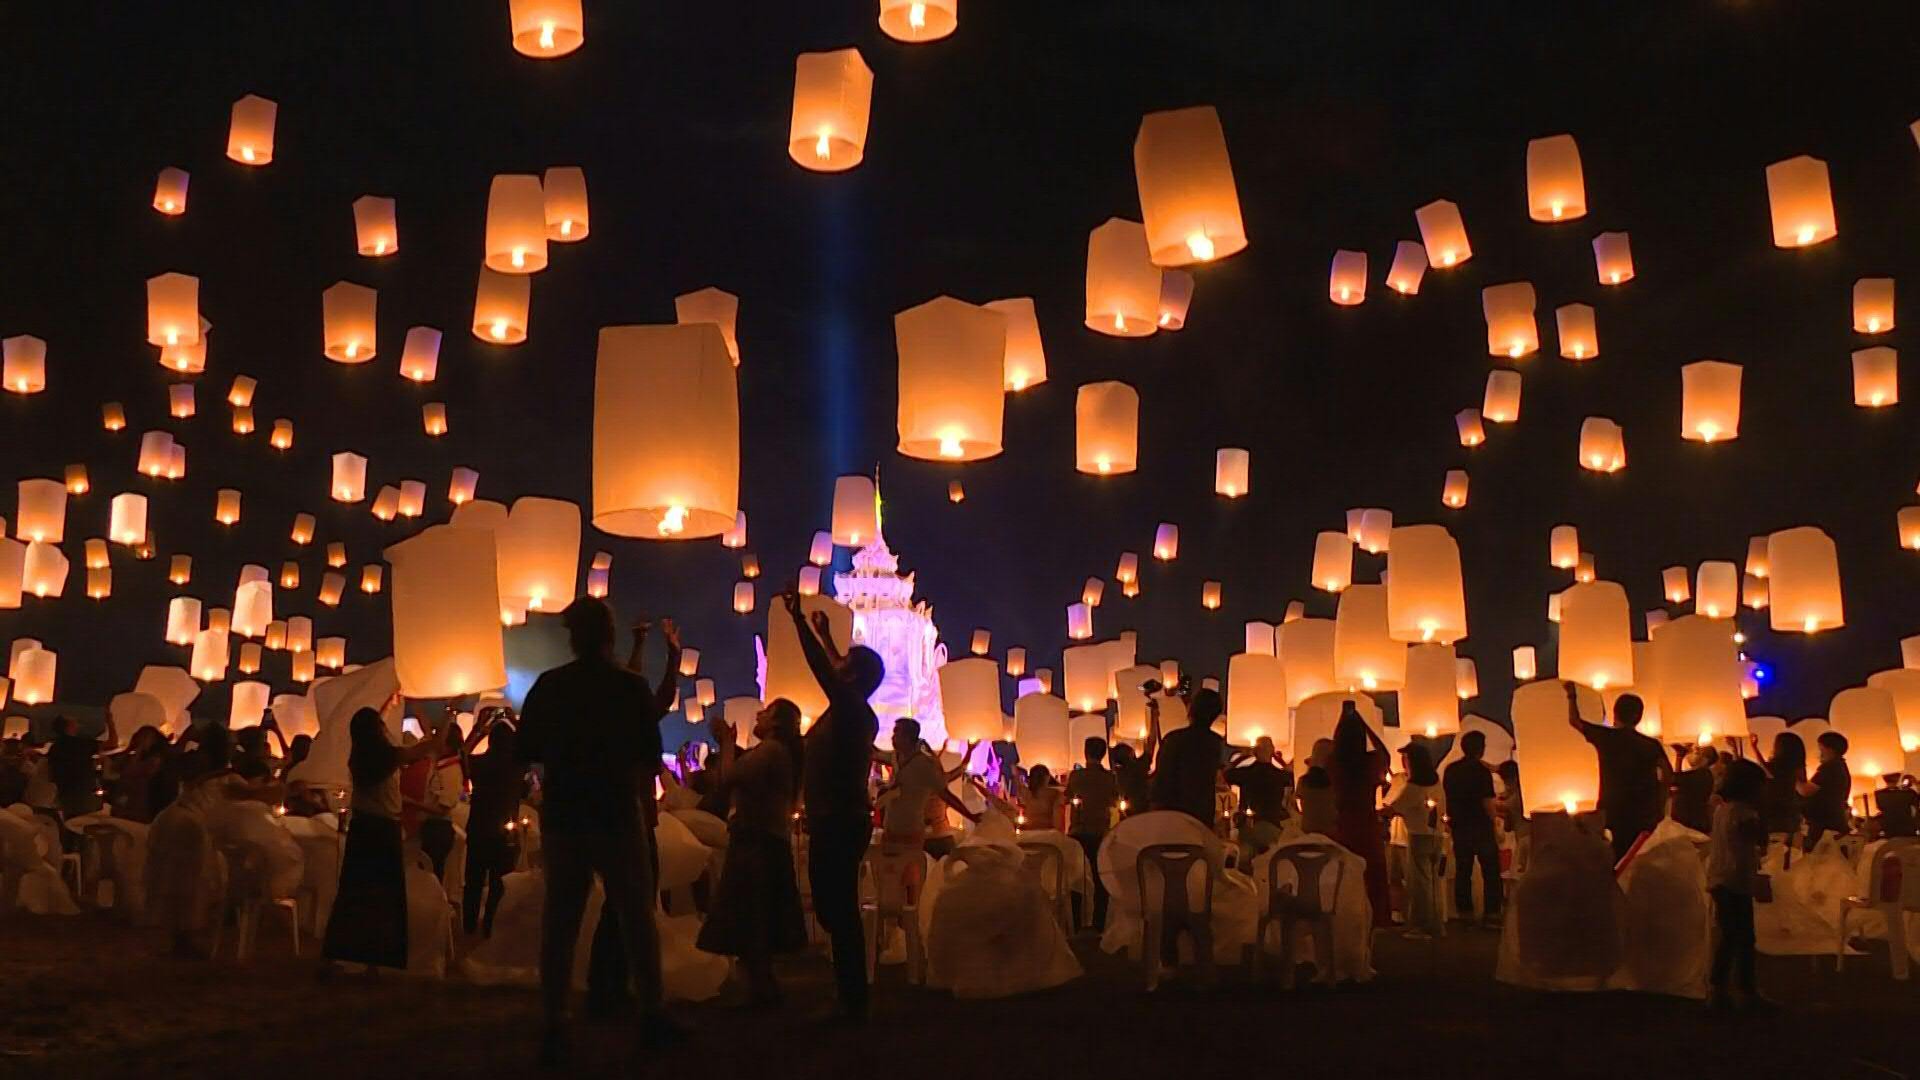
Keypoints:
(671, 630)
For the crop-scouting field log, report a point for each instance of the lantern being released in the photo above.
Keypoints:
(1801, 201)
(545, 29)
(1561, 771)
(970, 699)
(1717, 589)
(1026, 360)
(1876, 377)
(565, 191)
(1804, 581)
(25, 364)
(1347, 283)
(832, 96)
(1430, 702)
(1603, 446)
(446, 613)
(1710, 401)
(1426, 598)
(1257, 699)
(1365, 655)
(1596, 635)
(1613, 258)
(1187, 194)
(250, 136)
(170, 191)
(1511, 330)
(1230, 467)
(1107, 426)
(1443, 234)
(1867, 716)
(1502, 402)
(952, 395)
(1698, 685)
(671, 475)
(711, 305)
(1123, 284)
(1409, 266)
(1873, 305)
(348, 314)
(500, 307)
(1556, 184)
(916, 21)
(376, 232)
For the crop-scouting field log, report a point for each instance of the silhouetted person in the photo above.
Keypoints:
(1693, 786)
(1315, 791)
(1829, 790)
(493, 847)
(368, 923)
(1093, 797)
(1634, 772)
(1468, 785)
(1786, 768)
(73, 764)
(1185, 774)
(1358, 771)
(1264, 787)
(1895, 805)
(1733, 870)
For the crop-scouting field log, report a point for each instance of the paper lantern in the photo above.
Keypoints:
(749, 566)
(1867, 717)
(1904, 686)
(500, 307)
(1511, 330)
(289, 575)
(1873, 305)
(183, 620)
(1557, 764)
(1373, 530)
(461, 487)
(672, 475)
(99, 583)
(41, 513)
(1556, 185)
(1089, 673)
(1908, 522)
(446, 613)
(1430, 702)
(1553, 608)
(112, 416)
(1443, 234)
(1426, 599)
(1260, 637)
(371, 577)
(129, 519)
(1453, 493)
(180, 403)
(1502, 403)
(301, 667)
(1210, 595)
(1123, 284)
(711, 306)
(302, 529)
(1757, 556)
(787, 673)
(970, 699)
(1230, 467)
(832, 96)
(1079, 621)
(736, 534)
(1016, 661)
(597, 582)
(188, 357)
(173, 310)
(1466, 679)
(1753, 591)
(282, 437)
(1092, 591)
(13, 574)
(1876, 377)
(170, 191)
(1409, 266)
(820, 551)
(539, 548)
(1524, 665)
(1717, 589)
(1365, 654)
(516, 241)
(330, 652)
(1674, 585)
(1187, 196)
(348, 314)
(1603, 446)
(1613, 258)
(1306, 648)
(1128, 568)
(1107, 427)
(916, 21)
(1318, 715)
(1332, 561)
(1804, 581)
(433, 418)
(1596, 635)
(956, 492)
(1256, 699)
(564, 205)
(375, 230)
(1578, 338)
(96, 554)
(1710, 401)
(209, 662)
(243, 420)
(413, 498)
(1040, 725)
(386, 504)
(980, 642)
(250, 137)
(1467, 423)
(25, 364)
(1026, 357)
(176, 461)
(545, 29)
(952, 366)
(856, 509)
(252, 609)
(226, 506)
(1347, 282)
(420, 356)
(299, 634)
(1801, 202)
(1176, 296)
(1166, 541)
(1698, 682)
(331, 588)
(33, 671)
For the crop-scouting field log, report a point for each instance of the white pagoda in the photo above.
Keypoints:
(888, 620)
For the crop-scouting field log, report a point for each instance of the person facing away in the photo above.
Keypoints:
(1468, 789)
(1189, 761)
(1895, 805)
(1315, 791)
(836, 763)
(499, 780)
(1733, 869)
(1264, 785)
(594, 726)
(1093, 800)
(1786, 768)
(1416, 798)
(1359, 771)
(1693, 784)
(1511, 807)
(73, 764)
(1633, 769)
(1828, 792)
(368, 923)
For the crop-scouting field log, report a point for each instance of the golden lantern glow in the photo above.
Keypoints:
(1801, 201)
(1260, 637)
(1176, 295)
(413, 498)
(1430, 702)
(820, 551)
(1804, 581)
(1257, 699)
(170, 191)
(386, 503)
(420, 356)
(1443, 234)
(1613, 258)
(545, 29)
(1016, 661)
(1332, 561)
(180, 569)
(1583, 570)
(1524, 665)
(788, 675)
(176, 461)
(1409, 267)
(672, 475)
(1867, 716)
(914, 22)
(1347, 282)
(1453, 493)
(252, 607)
(516, 225)
(1467, 423)
(1675, 586)
(956, 492)
(1123, 284)
(1026, 361)
(749, 566)
(173, 310)
(1603, 446)
(250, 136)
(129, 519)
(710, 305)
(970, 699)
(1904, 685)
(1753, 591)
(539, 547)
(336, 554)
(1365, 654)
(1210, 595)
(1041, 728)
(1908, 522)
(96, 554)
(1107, 428)
(299, 634)
(282, 437)
(1596, 635)
(1187, 195)
(1502, 402)
(371, 576)
(330, 652)
(180, 404)
(1466, 679)
(736, 534)
(1578, 338)
(1873, 305)
(856, 510)
(1556, 184)
(24, 364)
(952, 389)
(564, 188)
(1306, 652)
(302, 529)
(446, 613)
(461, 488)
(209, 660)
(189, 357)
(1757, 556)
(1128, 568)
(1697, 688)
(597, 581)
(301, 668)
(77, 483)
(1426, 598)
(243, 420)
(1717, 589)
(1511, 329)
(376, 231)
(1876, 377)
(1372, 529)
(809, 581)
(183, 620)
(33, 671)
(500, 307)
(832, 97)
(349, 477)
(347, 312)
(226, 506)
(1166, 541)
(43, 569)
(248, 705)
(1560, 769)
(112, 416)
(1089, 673)
(433, 418)
(289, 575)
(1079, 621)
(1710, 401)
(980, 642)
(1230, 467)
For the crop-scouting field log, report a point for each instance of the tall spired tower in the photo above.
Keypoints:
(888, 620)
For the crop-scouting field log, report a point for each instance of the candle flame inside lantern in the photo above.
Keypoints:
(674, 521)
(546, 42)
(823, 146)
(917, 16)
(950, 446)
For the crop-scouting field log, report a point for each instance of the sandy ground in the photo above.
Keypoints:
(87, 996)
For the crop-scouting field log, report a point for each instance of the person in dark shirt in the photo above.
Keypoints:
(73, 765)
(594, 726)
(1693, 784)
(1829, 790)
(1189, 762)
(1895, 803)
(1468, 784)
(1780, 796)
(1093, 795)
(1634, 772)
(499, 781)
(1264, 789)
(836, 761)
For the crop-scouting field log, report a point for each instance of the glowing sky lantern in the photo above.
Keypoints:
(856, 511)
(129, 519)
(180, 403)
(33, 671)
(332, 587)
(1557, 763)
(1757, 563)
(1305, 647)
(1511, 329)
(952, 380)
(376, 232)
(1873, 305)
(349, 477)
(96, 554)
(170, 191)
(282, 437)
(1256, 699)
(1578, 338)
(1583, 570)
(1717, 589)
(1026, 357)
(1453, 491)
(1372, 532)
(330, 652)
(99, 583)
(970, 699)
(1556, 184)
(1123, 284)
(516, 239)
(188, 357)
(1904, 685)
(545, 29)
(832, 97)
(1907, 521)
(243, 420)
(1092, 591)
(1804, 581)
(672, 475)
(76, 481)
(1867, 717)
(1466, 678)
(1674, 585)
(1709, 401)
(1596, 635)
(1426, 598)
(183, 620)
(209, 660)
(1801, 201)
(173, 310)
(1502, 402)
(41, 513)
(1176, 296)
(176, 461)
(1613, 258)
(500, 307)
(736, 535)
(539, 549)
(433, 418)
(226, 506)
(788, 675)
(289, 575)
(301, 667)
(918, 21)
(371, 577)
(1365, 655)
(250, 136)
(462, 485)
(1430, 702)
(1471, 431)
(1332, 561)
(1317, 715)
(1016, 661)
(413, 498)
(1079, 621)
(25, 364)
(180, 569)
(820, 550)
(1187, 196)
(711, 305)
(1088, 673)
(1107, 428)
(1166, 541)
(1230, 468)
(564, 205)
(252, 609)
(1603, 445)
(1876, 377)
(43, 569)
(1443, 234)
(1260, 637)
(1210, 595)
(980, 643)
(446, 613)
(348, 316)
(113, 416)
(1347, 282)
(1040, 726)
(1699, 681)
(1409, 266)
(1753, 592)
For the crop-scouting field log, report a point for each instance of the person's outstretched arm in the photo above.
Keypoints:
(668, 691)
(1152, 745)
(819, 658)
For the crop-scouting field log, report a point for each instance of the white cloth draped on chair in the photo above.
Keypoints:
(1803, 917)
(125, 864)
(30, 864)
(1236, 901)
(989, 926)
(1344, 894)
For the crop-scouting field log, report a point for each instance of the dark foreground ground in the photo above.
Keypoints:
(87, 997)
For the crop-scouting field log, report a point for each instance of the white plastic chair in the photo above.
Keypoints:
(1295, 904)
(1044, 862)
(895, 877)
(245, 901)
(1160, 924)
(1893, 883)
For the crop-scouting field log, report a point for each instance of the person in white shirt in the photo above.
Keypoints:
(1416, 799)
(917, 781)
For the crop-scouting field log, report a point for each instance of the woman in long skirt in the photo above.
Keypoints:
(369, 920)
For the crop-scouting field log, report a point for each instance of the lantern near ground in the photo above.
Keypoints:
(226, 506)
(1502, 402)
(1904, 685)
(1166, 541)
(1409, 266)
(1365, 654)
(1426, 598)
(1873, 305)
(1867, 717)
(1316, 717)
(1453, 492)
(1107, 428)
(173, 310)
(856, 511)
(1256, 699)
(1467, 423)
(1560, 770)
(672, 475)
(1176, 296)
(832, 97)
(1123, 284)
(250, 135)
(376, 232)
(1347, 283)
(916, 22)
(129, 519)
(1466, 679)
(1578, 338)
(952, 367)
(1804, 577)
(970, 699)
(348, 314)
(1187, 195)
(1699, 681)
(349, 477)
(500, 307)
(1230, 468)
(170, 191)
(1511, 329)
(1801, 201)
(564, 203)
(1596, 635)
(1332, 561)
(1876, 377)
(1430, 702)
(1026, 357)
(1613, 258)
(1603, 446)
(1556, 184)
(787, 673)
(24, 367)
(1717, 589)
(1443, 234)
(1710, 401)
(446, 613)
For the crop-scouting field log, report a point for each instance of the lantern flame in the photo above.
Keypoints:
(917, 16)
(1201, 245)
(1568, 801)
(519, 258)
(499, 329)
(674, 521)
(1558, 209)
(823, 146)
(566, 227)
(1806, 234)
(546, 41)
(247, 152)
(950, 446)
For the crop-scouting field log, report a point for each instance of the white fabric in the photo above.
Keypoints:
(429, 921)
(1669, 918)
(254, 826)
(1236, 900)
(129, 856)
(1073, 859)
(1872, 922)
(1344, 893)
(321, 846)
(1566, 920)
(27, 879)
(335, 700)
(1803, 918)
(990, 929)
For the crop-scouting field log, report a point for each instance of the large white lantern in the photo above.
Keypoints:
(970, 699)
(1426, 598)
(1365, 654)
(672, 474)
(1187, 195)
(1596, 635)
(952, 365)
(1123, 284)
(447, 638)
(1107, 428)
(1804, 581)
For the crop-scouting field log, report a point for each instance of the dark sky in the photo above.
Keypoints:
(991, 155)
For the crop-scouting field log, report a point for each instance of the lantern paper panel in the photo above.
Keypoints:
(1872, 305)
(376, 231)
(170, 191)
(1230, 468)
(1443, 234)
(1716, 592)
(41, 512)
(348, 312)
(1123, 284)
(250, 135)
(1408, 268)
(1876, 377)
(447, 639)
(564, 188)
(1188, 200)
(1453, 491)
(546, 29)
(970, 699)
(1578, 338)
(1710, 401)
(1867, 716)
(1560, 770)
(919, 21)
(1466, 678)
(710, 305)
(1502, 402)
(672, 475)
(1467, 423)
(1256, 699)
(1026, 359)
(129, 519)
(1603, 446)
(1347, 282)
(1556, 184)
(1697, 686)
(539, 550)
(516, 237)
(832, 97)
(1107, 426)
(500, 306)
(952, 380)
(1675, 586)
(1596, 635)
(1176, 296)
(1801, 202)
(1365, 655)
(1166, 541)
(856, 511)
(1430, 701)
(1511, 329)
(1804, 581)
(1426, 597)
(420, 355)
(173, 310)
(787, 673)
(24, 368)
(1040, 729)
(1613, 258)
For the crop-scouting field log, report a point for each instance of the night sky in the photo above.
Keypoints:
(990, 156)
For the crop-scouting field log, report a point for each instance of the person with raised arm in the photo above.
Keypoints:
(1634, 774)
